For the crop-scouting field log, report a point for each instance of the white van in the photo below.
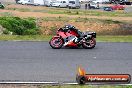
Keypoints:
(38, 2)
(74, 4)
(23, 2)
(48, 2)
(94, 5)
(61, 3)
(96, 1)
(100, 1)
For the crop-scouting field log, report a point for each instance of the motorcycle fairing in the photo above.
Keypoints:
(71, 41)
(67, 34)
(69, 37)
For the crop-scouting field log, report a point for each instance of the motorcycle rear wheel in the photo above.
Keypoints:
(56, 43)
(90, 45)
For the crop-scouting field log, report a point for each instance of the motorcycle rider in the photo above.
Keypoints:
(72, 28)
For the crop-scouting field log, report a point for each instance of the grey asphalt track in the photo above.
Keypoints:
(37, 61)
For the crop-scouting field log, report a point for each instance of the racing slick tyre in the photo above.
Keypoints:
(56, 42)
(89, 45)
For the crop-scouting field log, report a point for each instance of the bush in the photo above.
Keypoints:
(19, 26)
(6, 32)
(77, 12)
(31, 32)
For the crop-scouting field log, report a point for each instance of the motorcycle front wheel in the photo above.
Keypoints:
(56, 42)
(89, 45)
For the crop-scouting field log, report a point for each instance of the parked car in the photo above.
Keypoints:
(101, 1)
(74, 4)
(125, 3)
(60, 4)
(117, 7)
(23, 2)
(94, 5)
(38, 2)
(48, 3)
(107, 9)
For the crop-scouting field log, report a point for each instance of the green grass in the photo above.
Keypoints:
(88, 12)
(48, 37)
(80, 19)
(75, 12)
(86, 86)
(25, 38)
(114, 38)
(6, 14)
(63, 86)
